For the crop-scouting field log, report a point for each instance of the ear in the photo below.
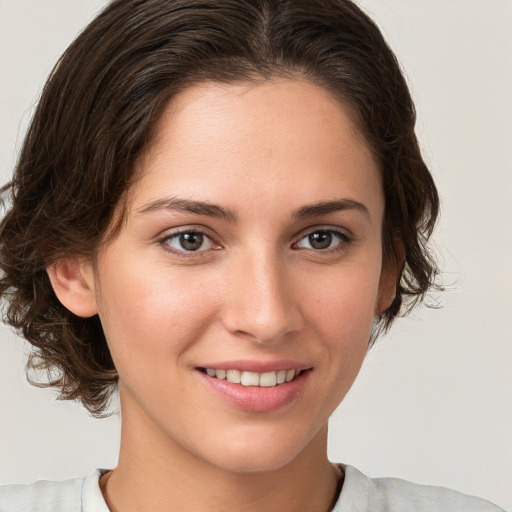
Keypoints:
(73, 283)
(390, 274)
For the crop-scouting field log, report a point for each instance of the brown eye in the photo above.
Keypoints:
(320, 240)
(323, 239)
(189, 241)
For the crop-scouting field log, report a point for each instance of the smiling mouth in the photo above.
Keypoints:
(266, 380)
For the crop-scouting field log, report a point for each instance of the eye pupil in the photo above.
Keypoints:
(191, 241)
(320, 239)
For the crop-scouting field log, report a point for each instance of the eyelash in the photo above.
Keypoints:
(343, 241)
(165, 242)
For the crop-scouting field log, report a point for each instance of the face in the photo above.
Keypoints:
(238, 299)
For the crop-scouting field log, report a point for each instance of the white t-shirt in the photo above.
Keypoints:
(359, 494)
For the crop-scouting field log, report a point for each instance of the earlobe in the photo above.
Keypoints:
(73, 283)
(387, 287)
(389, 277)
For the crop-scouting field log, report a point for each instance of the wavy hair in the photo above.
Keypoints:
(95, 118)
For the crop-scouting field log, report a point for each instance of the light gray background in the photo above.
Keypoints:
(434, 400)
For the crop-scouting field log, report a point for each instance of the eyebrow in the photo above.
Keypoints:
(187, 205)
(326, 207)
(213, 210)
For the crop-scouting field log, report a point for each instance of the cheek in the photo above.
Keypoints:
(343, 302)
(340, 309)
(149, 317)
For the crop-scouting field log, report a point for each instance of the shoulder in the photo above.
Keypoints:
(44, 496)
(361, 493)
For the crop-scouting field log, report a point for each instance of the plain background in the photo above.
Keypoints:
(433, 402)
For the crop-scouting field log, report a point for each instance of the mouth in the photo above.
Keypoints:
(245, 378)
(270, 389)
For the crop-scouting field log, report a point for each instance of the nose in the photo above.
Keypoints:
(260, 301)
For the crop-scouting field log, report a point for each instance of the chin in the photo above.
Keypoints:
(259, 453)
(261, 462)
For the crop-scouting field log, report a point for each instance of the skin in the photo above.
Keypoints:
(256, 290)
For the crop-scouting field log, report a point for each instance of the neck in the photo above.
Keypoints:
(156, 474)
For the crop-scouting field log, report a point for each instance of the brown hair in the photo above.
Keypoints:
(94, 120)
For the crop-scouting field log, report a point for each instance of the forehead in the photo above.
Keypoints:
(281, 140)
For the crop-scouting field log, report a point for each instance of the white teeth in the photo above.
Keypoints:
(290, 374)
(267, 379)
(250, 379)
(220, 374)
(233, 376)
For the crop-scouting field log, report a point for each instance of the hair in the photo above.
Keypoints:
(95, 118)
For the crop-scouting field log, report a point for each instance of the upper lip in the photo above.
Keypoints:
(257, 366)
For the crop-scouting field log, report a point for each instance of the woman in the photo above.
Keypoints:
(217, 208)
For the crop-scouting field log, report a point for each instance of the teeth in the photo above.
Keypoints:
(290, 374)
(250, 379)
(281, 376)
(267, 379)
(233, 376)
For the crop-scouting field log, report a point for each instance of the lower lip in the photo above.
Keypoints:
(256, 398)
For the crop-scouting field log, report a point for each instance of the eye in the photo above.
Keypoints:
(323, 239)
(189, 241)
